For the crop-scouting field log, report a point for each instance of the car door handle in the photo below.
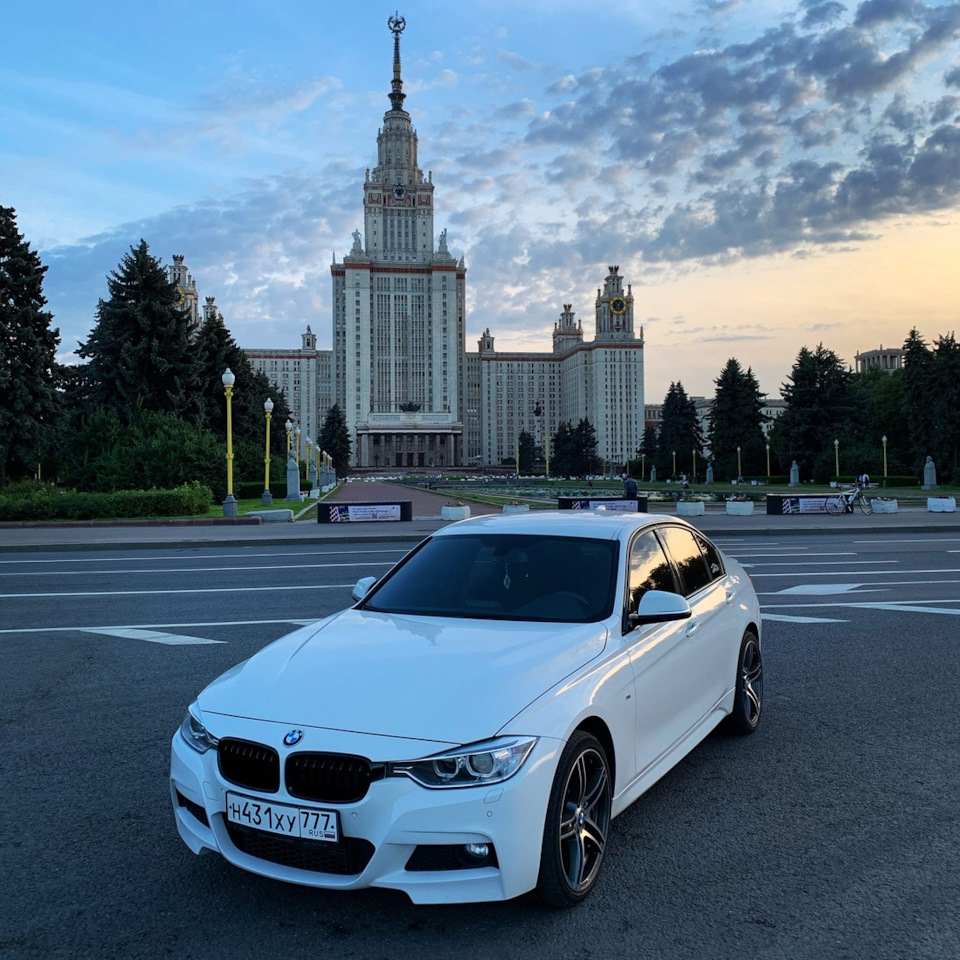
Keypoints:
(693, 627)
(731, 596)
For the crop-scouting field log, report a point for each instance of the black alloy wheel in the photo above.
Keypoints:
(577, 823)
(748, 696)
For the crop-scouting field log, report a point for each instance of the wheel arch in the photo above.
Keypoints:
(596, 727)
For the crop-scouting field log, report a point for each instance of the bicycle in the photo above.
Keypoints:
(848, 496)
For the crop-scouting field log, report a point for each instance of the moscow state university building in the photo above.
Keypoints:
(413, 397)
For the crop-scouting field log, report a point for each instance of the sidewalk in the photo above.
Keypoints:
(427, 506)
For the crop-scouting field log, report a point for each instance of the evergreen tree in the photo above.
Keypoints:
(29, 403)
(880, 402)
(216, 350)
(820, 408)
(527, 451)
(335, 440)
(584, 447)
(737, 421)
(562, 451)
(140, 352)
(679, 430)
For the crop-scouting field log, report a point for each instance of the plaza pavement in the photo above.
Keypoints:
(427, 506)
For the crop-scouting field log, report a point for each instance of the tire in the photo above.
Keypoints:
(577, 823)
(748, 695)
(866, 505)
(835, 505)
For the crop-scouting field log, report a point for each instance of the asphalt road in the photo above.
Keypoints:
(832, 833)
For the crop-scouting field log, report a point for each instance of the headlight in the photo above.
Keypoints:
(481, 763)
(195, 733)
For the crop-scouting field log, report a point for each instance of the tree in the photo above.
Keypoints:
(140, 352)
(561, 447)
(29, 402)
(931, 389)
(737, 421)
(574, 450)
(820, 407)
(680, 428)
(216, 350)
(880, 402)
(527, 453)
(335, 440)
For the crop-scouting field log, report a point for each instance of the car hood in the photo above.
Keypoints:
(422, 678)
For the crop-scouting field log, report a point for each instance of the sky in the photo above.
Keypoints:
(767, 174)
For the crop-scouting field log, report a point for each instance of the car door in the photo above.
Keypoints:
(710, 631)
(664, 674)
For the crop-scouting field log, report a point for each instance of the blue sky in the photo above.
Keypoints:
(767, 174)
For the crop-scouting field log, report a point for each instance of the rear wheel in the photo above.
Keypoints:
(748, 696)
(836, 505)
(866, 505)
(577, 823)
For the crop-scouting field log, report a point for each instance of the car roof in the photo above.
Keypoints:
(595, 524)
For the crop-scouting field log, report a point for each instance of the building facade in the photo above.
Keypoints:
(412, 395)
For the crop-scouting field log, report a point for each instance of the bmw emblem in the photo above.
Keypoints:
(293, 738)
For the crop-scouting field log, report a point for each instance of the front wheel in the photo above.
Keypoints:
(866, 505)
(835, 505)
(577, 823)
(748, 695)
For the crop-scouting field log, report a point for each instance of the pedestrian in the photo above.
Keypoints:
(684, 482)
(629, 487)
(863, 480)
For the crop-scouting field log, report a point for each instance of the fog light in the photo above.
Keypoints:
(479, 851)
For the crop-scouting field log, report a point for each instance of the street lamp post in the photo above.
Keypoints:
(739, 467)
(674, 463)
(694, 478)
(768, 463)
(266, 499)
(836, 459)
(643, 467)
(296, 437)
(883, 440)
(229, 504)
(289, 427)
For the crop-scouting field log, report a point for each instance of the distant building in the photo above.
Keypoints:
(888, 359)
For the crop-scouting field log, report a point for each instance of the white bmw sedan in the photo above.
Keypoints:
(471, 726)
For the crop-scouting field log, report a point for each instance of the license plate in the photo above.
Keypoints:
(310, 823)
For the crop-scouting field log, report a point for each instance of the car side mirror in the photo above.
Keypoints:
(362, 587)
(658, 606)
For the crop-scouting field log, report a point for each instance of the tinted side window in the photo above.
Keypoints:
(712, 555)
(649, 568)
(683, 547)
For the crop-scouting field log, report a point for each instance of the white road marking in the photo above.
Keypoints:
(853, 573)
(818, 563)
(164, 555)
(919, 540)
(167, 593)
(834, 553)
(819, 588)
(159, 626)
(151, 636)
(909, 608)
(783, 618)
(244, 569)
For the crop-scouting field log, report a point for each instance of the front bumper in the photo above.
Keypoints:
(396, 817)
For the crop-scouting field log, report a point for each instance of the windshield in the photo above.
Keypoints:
(503, 577)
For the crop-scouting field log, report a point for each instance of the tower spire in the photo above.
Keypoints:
(396, 23)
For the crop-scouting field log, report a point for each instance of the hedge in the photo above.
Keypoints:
(48, 503)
